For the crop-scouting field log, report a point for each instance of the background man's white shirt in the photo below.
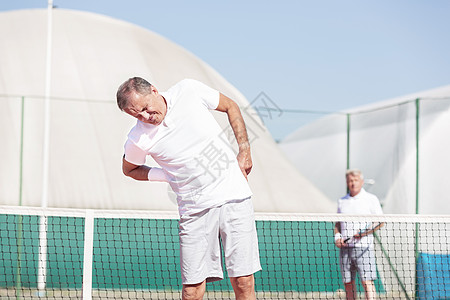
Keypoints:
(362, 204)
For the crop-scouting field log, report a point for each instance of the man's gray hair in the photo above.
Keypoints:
(354, 172)
(135, 84)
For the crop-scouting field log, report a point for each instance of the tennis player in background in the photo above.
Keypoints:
(177, 129)
(355, 239)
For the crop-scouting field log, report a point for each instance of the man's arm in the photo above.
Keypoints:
(376, 210)
(240, 132)
(135, 171)
(370, 231)
(143, 172)
(338, 236)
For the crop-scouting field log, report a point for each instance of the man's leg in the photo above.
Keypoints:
(194, 291)
(348, 272)
(199, 252)
(350, 290)
(368, 272)
(369, 289)
(244, 287)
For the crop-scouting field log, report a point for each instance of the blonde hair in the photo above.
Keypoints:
(354, 172)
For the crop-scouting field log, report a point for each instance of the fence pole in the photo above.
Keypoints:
(416, 243)
(348, 141)
(348, 146)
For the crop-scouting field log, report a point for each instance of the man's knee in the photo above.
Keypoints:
(194, 291)
(368, 285)
(244, 284)
(350, 290)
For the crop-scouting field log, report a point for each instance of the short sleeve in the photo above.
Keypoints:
(339, 206)
(209, 96)
(376, 206)
(134, 154)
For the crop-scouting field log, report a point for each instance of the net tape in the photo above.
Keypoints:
(134, 255)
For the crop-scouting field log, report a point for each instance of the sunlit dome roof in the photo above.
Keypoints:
(91, 55)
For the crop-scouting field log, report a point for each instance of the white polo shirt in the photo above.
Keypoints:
(362, 204)
(190, 147)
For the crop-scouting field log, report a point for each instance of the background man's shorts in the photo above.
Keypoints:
(361, 259)
(200, 252)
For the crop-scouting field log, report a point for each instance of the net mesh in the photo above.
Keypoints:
(136, 256)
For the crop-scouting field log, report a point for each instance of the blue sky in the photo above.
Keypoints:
(325, 55)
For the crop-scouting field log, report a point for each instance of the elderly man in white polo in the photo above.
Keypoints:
(177, 129)
(355, 239)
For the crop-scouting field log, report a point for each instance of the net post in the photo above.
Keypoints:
(42, 263)
(19, 256)
(88, 253)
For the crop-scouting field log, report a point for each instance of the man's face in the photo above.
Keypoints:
(150, 109)
(354, 184)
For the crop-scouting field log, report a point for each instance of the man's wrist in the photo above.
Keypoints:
(244, 146)
(337, 236)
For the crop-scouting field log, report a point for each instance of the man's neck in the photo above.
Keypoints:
(359, 192)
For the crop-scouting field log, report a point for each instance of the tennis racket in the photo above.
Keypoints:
(370, 227)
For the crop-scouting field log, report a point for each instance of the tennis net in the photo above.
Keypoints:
(99, 254)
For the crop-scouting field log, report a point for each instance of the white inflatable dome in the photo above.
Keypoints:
(91, 56)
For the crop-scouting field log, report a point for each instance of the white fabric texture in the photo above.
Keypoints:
(157, 174)
(363, 204)
(200, 250)
(189, 145)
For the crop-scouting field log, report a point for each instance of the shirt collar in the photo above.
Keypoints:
(167, 122)
(361, 193)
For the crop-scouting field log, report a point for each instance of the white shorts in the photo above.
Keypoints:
(200, 235)
(353, 259)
